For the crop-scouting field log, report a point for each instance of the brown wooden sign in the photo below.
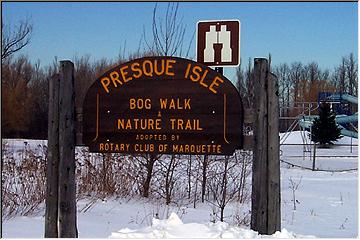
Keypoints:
(164, 105)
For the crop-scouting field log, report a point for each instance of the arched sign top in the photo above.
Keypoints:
(164, 105)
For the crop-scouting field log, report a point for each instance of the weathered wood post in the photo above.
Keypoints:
(67, 188)
(60, 213)
(265, 208)
(52, 166)
(314, 157)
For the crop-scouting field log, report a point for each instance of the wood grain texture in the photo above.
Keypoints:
(52, 166)
(67, 186)
(265, 209)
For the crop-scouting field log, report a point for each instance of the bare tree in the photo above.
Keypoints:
(244, 84)
(244, 161)
(146, 163)
(168, 177)
(295, 78)
(168, 33)
(17, 98)
(13, 40)
(189, 176)
(294, 185)
(283, 73)
(339, 77)
(205, 165)
(351, 74)
(224, 183)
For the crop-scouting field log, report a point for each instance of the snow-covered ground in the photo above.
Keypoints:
(326, 205)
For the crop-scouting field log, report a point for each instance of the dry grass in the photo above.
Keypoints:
(100, 176)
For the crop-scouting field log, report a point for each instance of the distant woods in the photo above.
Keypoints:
(25, 92)
(299, 82)
(25, 87)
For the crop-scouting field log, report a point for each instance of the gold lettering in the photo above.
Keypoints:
(101, 147)
(175, 148)
(172, 104)
(142, 124)
(198, 125)
(188, 125)
(163, 103)
(132, 103)
(187, 70)
(136, 120)
(187, 103)
(151, 69)
(202, 79)
(172, 121)
(180, 123)
(178, 104)
(105, 83)
(186, 148)
(147, 103)
(156, 70)
(144, 147)
(150, 124)
(169, 66)
(140, 103)
(215, 83)
(203, 150)
(158, 124)
(128, 125)
(114, 76)
(196, 70)
(124, 73)
(135, 67)
(121, 123)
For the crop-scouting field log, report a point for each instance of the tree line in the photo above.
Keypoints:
(25, 87)
(300, 84)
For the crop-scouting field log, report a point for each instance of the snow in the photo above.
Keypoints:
(173, 227)
(326, 204)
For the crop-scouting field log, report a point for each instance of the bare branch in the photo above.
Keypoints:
(14, 41)
(168, 33)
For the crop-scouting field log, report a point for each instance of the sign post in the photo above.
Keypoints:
(265, 197)
(60, 213)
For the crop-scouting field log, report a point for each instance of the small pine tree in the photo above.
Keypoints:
(325, 130)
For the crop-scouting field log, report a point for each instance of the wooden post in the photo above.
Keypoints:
(52, 166)
(265, 208)
(274, 196)
(78, 126)
(314, 157)
(67, 188)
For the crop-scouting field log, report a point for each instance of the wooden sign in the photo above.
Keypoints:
(163, 105)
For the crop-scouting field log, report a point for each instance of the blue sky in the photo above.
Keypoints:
(293, 31)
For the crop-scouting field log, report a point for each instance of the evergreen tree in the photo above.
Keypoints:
(324, 129)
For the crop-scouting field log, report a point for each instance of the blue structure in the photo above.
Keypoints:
(340, 104)
(340, 101)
